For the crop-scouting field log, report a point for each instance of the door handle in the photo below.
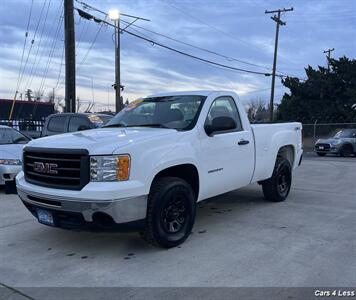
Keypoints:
(243, 142)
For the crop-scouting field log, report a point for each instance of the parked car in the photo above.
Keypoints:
(11, 144)
(149, 166)
(71, 122)
(342, 143)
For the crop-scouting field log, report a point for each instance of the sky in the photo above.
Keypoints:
(238, 31)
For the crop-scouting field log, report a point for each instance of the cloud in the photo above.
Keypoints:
(238, 29)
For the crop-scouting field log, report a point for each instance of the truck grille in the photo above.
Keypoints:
(56, 168)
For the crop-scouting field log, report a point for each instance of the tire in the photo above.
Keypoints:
(171, 212)
(346, 151)
(321, 154)
(10, 187)
(276, 188)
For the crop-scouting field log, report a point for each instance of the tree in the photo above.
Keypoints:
(29, 95)
(38, 95)
(257, 110)
(51, 96)
(326, 95)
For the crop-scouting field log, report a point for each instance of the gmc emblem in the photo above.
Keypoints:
(46, 168)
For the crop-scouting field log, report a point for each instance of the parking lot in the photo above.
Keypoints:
(239, 239)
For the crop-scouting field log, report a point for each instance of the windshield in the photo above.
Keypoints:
(345, 134)
(175, 112)
(12, 136)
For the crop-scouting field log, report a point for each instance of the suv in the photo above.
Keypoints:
(70, 122)
(342, 143)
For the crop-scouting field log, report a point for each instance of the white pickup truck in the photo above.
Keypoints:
(149, 166)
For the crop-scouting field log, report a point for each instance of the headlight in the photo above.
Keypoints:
(335, 142)
(109, 168)
(15, 162)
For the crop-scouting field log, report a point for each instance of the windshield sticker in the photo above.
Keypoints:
(95, 119)
(133, 104)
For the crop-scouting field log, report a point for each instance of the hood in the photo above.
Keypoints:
(101, 140)
(11, 151)
(329, 141)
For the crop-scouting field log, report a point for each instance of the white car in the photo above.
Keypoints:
(11, 145)
(150, 165)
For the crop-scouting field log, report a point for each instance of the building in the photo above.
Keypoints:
(25, 110)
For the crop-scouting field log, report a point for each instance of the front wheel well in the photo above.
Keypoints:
(187, 172)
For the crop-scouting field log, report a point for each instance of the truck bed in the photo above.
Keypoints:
(268, 139)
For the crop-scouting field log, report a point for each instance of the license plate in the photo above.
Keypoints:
(45, 217)
(321, 147)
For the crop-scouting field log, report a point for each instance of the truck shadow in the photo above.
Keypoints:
(210, 213)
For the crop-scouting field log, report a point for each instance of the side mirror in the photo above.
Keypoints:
(220, 124)
(83, 127)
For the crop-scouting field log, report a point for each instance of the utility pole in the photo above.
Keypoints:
(328, 56)
(277, 19)
(118, 101)
(114, 15)
(69, 41)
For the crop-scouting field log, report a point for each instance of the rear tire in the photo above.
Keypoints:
(346, 151)
(170, 212)
(276, 188)
(321, 154)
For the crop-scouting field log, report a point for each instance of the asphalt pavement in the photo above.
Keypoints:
(239, 240)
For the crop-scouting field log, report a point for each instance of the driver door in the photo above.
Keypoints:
(227, 156)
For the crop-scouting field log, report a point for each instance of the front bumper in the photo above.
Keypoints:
(104, 214)
(334, 149)
(8, 172)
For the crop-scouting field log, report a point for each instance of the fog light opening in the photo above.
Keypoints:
(103, 220)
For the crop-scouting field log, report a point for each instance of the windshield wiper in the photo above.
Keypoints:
(114, 125)
(150, 125)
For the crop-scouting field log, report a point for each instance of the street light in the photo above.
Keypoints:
(114, 15)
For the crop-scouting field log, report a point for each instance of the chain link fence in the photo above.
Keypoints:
(313, 132)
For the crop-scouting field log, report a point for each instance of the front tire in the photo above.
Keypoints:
(346, 151)
(276, 188)
(170, 212)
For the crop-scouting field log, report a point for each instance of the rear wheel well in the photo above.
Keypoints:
(187, 172)
(287, 152)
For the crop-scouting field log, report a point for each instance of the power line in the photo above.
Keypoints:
(229, 58)
(23, 50)
(90, 47)
(60, 67)
(82, 33)
(49, 59)
(213, 27)
(32, 42)
(47, 43)
(282, 74)
(39, 45)
(198, 47)
(153, 42)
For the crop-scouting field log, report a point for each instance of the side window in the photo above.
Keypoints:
(77, 123)
(56, 124)
(5, 136)
(18, 138)
(224, 107)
